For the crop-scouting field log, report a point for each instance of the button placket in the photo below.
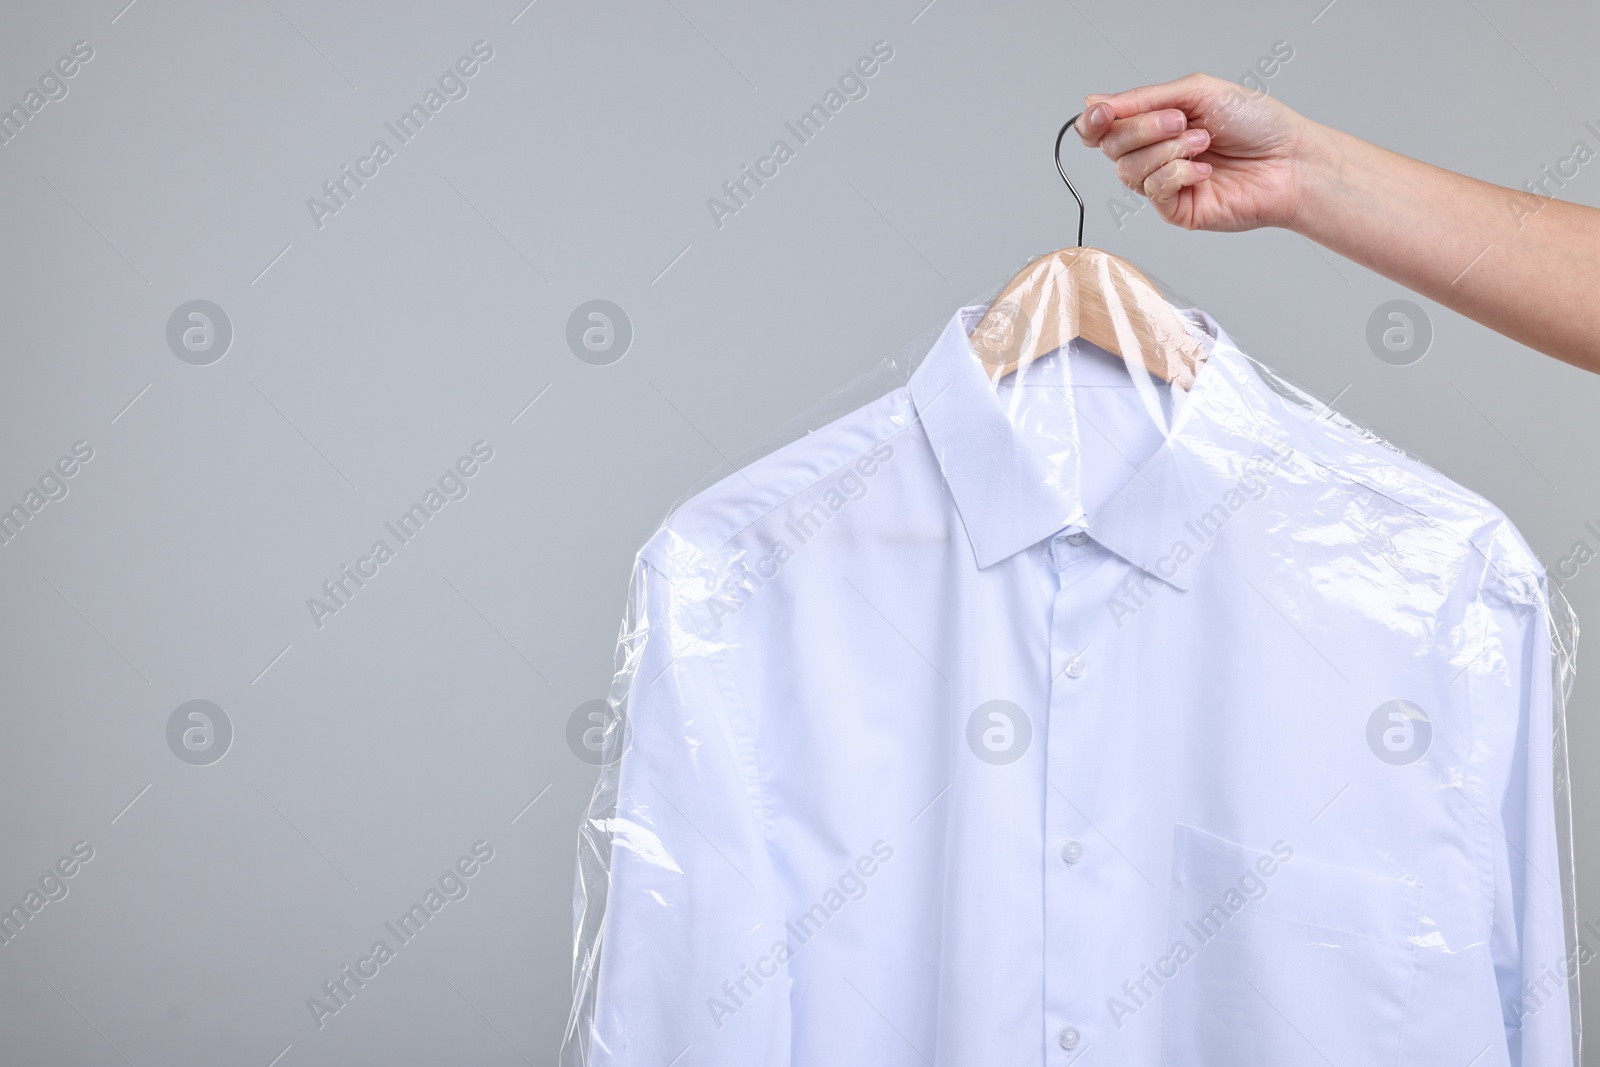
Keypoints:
(1082, 637)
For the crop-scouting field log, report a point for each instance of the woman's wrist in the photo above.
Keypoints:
(1320, 183)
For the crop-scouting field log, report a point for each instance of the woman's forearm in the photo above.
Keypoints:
(1527, 266)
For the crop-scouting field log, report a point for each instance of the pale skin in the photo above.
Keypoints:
(1210, 155)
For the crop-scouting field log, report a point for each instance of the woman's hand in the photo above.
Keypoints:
(1208, 153)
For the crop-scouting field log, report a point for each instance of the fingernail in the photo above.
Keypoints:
(1172, 121)
(1202, 169)
(1197, 137)
(1100, 115)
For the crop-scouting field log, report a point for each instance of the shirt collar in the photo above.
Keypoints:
(1163, 519)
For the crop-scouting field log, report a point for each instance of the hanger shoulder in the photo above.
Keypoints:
(1036, 308)
(1088, 293)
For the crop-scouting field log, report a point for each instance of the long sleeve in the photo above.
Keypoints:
(1533, 947)
(689, 953)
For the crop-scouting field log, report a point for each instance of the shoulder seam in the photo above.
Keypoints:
(781, 497)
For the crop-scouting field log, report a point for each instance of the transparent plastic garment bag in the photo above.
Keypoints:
(1074, 714)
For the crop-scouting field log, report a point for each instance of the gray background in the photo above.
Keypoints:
(370, 353)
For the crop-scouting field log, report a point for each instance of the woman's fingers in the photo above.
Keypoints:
(1104, 112)
(1130, 134)
(1171, 179)
(1096, 121)
(1188, 94)
(1138, 165)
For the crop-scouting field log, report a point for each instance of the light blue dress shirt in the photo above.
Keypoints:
(1079, 719)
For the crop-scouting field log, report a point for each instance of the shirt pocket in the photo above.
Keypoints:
(1276, 962)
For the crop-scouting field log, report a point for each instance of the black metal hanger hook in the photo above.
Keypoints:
(1062, 171)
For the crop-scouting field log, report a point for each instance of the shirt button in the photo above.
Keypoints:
(1069, 1038)
(1072, 852)
(1077, 537)
(1075, 667)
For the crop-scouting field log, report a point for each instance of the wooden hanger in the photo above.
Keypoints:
(1087, 293)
